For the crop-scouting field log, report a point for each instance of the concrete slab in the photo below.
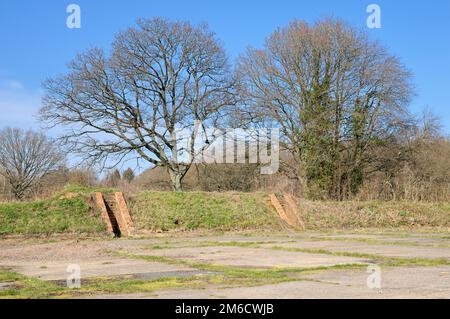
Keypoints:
(254, 257)
(413, 239)
(433, 282)
(370, 248)
(103, 267)
(97, 258)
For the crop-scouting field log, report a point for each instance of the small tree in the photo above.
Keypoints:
(128, 175)
(25, 158)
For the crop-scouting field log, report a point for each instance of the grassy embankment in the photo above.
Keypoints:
(236, 211)
(375, 214)
(66, 212)
(69, 215)
(167, 211)
(154, 211)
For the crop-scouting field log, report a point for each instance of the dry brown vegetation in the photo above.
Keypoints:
(374, 214)
(425, 177)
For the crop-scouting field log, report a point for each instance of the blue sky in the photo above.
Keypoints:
(36, 44)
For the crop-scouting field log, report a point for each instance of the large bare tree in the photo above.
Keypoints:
(334, 94)
(161, 78)
(25, 158)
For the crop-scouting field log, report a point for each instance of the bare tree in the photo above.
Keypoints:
(25, 158)
(161, 78)
(333, 93)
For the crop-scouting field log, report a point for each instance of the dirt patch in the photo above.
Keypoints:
(25, 251)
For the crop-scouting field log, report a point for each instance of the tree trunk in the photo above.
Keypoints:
(18, 192)
(176, 178)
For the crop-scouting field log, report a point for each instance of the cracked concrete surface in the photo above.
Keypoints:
(48, 260)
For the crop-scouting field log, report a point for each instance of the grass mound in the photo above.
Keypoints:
(164, 211)
(56, 215)
(83, 190)
(70, 211)
(374, 214)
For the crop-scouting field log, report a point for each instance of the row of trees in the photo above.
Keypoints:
(339, 100)
(423, 174)
(336, 96)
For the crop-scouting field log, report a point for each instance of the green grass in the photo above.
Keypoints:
(164, 211)
(55, 215)
(23, 287)
(83, 190)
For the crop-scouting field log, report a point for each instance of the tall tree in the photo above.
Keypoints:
(25, 158)
(161, 78)
(333, 93)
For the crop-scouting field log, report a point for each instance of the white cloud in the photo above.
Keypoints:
(18, 105)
